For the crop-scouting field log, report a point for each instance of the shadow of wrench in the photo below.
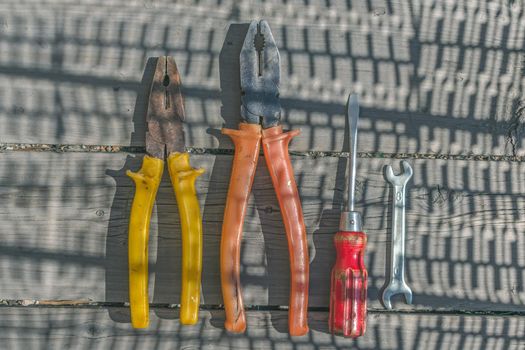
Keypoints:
(397, 284)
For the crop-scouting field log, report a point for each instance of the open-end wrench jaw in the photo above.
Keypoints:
(396, 287)
(401, 179)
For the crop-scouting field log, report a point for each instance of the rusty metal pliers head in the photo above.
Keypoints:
(165, 115)
(260, 76)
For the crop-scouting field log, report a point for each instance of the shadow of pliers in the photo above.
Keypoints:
(261, 114)
(165, 141)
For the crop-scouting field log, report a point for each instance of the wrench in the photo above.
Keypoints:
(397, 284)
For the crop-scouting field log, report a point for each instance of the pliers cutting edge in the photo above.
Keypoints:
(165, 140)
(261, 114)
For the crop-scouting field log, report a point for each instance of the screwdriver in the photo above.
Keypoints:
(349, 276)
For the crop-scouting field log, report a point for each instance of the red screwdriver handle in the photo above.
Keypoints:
(348, 285)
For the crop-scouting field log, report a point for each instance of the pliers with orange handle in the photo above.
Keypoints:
(261, 114)
(165, 140)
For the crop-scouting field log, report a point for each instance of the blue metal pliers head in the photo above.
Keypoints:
(260, 76)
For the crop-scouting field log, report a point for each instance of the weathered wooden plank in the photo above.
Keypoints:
(434, 76)
(64, 230)
(27, 328)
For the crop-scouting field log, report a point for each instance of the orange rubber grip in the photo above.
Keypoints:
(275, 146)
(247, 143)
(349, 284)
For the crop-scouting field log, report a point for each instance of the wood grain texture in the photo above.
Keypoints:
(64, 230)
(28, 328)
(434, 77)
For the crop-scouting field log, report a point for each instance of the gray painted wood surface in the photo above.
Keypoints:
(93, 329)
(435, 78)
(65, 217)
(439, 76)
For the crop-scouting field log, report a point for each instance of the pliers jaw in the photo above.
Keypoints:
(260, 76)
(165, 115)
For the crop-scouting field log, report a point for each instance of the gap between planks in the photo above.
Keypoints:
(63, 148)
(88, 304)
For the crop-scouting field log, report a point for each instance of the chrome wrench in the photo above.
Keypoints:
(397, 284)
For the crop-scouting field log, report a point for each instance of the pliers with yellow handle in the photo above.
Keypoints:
(165, 140)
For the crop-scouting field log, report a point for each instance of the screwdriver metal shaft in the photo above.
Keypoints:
(351, 219)
(353, 118)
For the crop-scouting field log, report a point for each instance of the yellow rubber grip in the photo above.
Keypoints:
(183, 178)
(147, 181)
